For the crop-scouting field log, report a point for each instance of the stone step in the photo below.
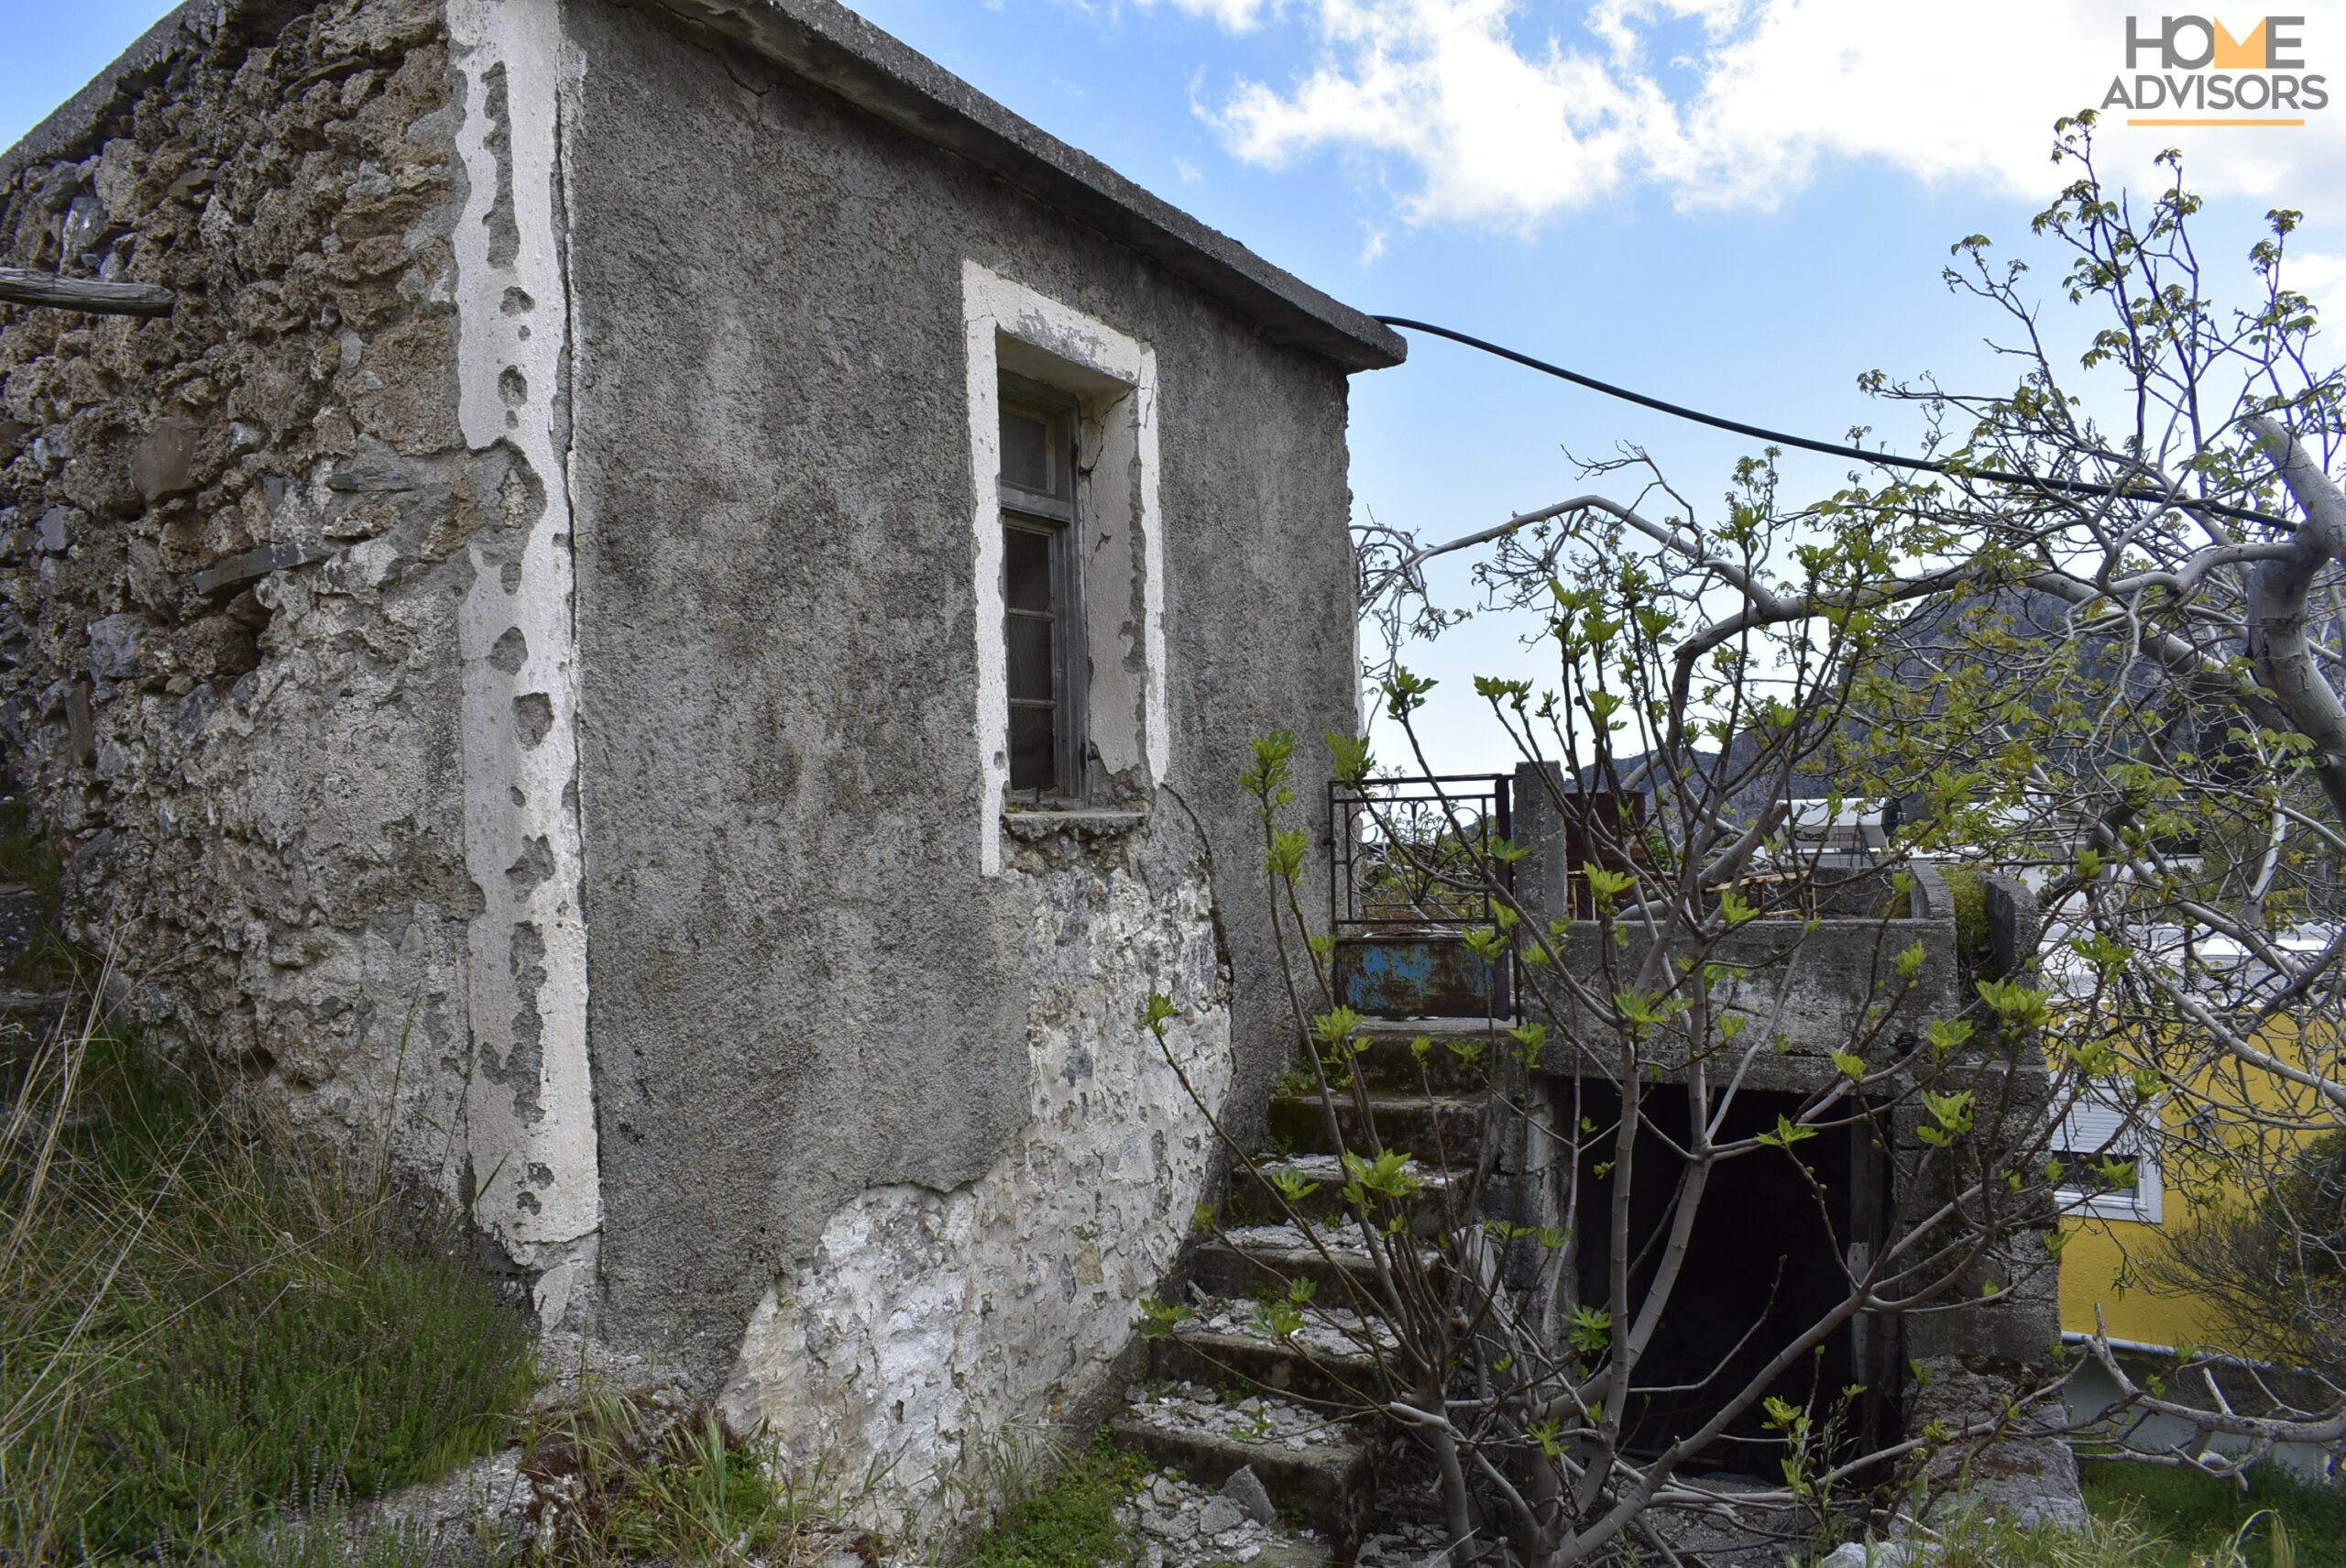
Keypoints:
(1438, 1129)
(1389, 1063)
(1226, 1346)
(1317, 1470)
(1249, 1260)
(1251, 1200)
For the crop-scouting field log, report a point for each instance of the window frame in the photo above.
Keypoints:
(1114, 377)
(1052, 514)
(2096, 1125)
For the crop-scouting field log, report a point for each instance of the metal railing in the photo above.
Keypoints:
(1415, 851)
(1411, 868)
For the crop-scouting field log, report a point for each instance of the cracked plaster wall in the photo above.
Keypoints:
(268, 563)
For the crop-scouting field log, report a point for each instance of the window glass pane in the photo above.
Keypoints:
(1026, 456)
(1034, 751)
(1031, 665)
(1026, 569)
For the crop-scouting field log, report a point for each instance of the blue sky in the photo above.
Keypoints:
(1735, 203)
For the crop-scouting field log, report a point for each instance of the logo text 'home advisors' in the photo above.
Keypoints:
(2208, 75)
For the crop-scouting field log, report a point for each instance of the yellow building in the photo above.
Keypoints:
(2110, 1230)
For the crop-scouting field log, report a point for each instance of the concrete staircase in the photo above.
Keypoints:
(1222, 1391)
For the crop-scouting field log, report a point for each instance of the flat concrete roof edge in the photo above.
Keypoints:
(826, 44)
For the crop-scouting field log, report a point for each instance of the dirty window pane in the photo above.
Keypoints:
(1026, 569)
(1032, 748)
(1026, 454)
(1031, 663)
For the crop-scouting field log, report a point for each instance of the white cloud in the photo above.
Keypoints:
(2321, 278)
(1490, 121)
(1238, 16)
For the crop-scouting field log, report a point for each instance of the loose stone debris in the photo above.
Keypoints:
(1183, 1525)
(1189, 1408)
(1329, 1333)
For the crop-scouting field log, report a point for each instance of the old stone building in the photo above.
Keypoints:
(668, 620)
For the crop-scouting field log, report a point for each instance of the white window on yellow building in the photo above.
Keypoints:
(2107, 1129)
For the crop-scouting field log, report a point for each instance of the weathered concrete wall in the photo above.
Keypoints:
(817, 1023)
(288, 581)
(235, 544)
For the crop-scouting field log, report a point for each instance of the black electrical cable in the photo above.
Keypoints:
(1833, 449)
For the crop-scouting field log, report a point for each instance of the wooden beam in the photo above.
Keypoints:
(18, 287)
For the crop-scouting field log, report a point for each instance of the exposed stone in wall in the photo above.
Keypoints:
(236, 543)
(926, 1323)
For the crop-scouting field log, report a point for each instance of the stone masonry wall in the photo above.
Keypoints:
(235, 541)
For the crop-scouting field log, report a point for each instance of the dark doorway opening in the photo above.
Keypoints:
(1764, 1263)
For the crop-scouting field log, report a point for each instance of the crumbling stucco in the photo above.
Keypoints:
(547, 511)
(232, 544)
(805, 986)
(291, 660)
(530, 1108)
(924, 1324)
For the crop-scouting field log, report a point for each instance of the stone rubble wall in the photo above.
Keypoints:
(233, 544)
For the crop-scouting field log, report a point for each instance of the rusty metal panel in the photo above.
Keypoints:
(1417, 975)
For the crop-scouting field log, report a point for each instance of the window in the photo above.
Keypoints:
(1063, 448)
(1041, 592)
(2105, 1128)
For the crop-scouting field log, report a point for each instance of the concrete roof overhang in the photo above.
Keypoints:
(825, 43)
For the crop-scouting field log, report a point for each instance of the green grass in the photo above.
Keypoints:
(2191, 1517)
(198, 1330)
(1065, 1519)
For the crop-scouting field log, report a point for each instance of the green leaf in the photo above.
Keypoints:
(1159, 1318)
(1336, 1026)
(1352, 759)
(1288, 848)
(1291, 1184)
(1386, 1176)
(1951, 1111)
(1787, 1134)
(1604, 885)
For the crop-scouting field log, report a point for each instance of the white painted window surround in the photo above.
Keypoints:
(2097, 1122)
(1112, 377)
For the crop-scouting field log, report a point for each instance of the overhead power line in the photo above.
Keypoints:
(1835, 449)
